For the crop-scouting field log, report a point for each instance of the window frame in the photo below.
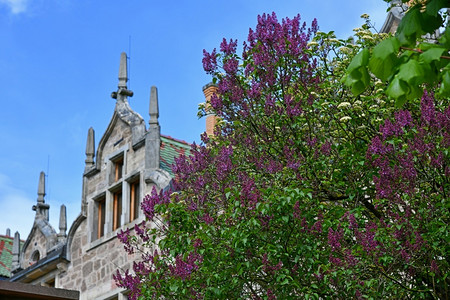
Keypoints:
(117, 211)
(100, 220)
(134, 199)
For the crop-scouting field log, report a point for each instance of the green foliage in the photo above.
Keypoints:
(358, 76)
(408, 61)
(306, 191)
(383, 60)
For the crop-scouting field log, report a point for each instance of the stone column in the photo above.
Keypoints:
(153, 137)
(62, 225)
(16, 252)
(41, 208)
(90, 150)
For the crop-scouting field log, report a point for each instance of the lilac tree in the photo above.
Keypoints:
(305, 191)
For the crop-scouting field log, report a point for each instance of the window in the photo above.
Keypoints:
(35, 257)
(134, 199)
(101, 211)
(117, 208)
(50, 283)
(118, 167)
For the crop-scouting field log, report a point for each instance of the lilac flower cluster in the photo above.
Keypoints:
(269, 267)
(334, 238)
(270, 44)
(151, 200)
(397, 165)
(130, 282)
(183, 268)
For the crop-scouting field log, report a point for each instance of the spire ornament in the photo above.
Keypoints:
(90, 150)
(153, 137)
(41, 188)
(62, 224)
(16, 252)
(41, 208)
(153, 107)
(122, 91)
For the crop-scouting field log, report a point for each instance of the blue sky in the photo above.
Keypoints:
(59, 63)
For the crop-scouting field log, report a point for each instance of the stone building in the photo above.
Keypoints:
(129, 162)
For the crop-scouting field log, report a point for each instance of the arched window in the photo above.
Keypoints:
(35, 257)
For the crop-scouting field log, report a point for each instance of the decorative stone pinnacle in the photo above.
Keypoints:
(90, 149)
(153, 136)
(41, 188)
(41, 207)
(15, 252)
(123, 76)
(62, 221)
(122, 91)
(153, 109)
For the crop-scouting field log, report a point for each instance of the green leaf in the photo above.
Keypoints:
(411, 72)
(432, 54)
(358, 80)
(434, 6)
(444, 90)
(444, 40)
(361, 59)
(357, 75)
(384, 58)
(398, 90)
(430, 23)
(409, 27)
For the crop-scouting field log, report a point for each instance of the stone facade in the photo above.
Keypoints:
(129, 162)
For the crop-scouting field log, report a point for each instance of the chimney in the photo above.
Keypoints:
(211, 119)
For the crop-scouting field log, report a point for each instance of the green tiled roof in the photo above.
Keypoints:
(170, 149)
(6, 246)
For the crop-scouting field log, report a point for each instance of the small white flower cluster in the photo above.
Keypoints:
(345, 50)
(344, 105)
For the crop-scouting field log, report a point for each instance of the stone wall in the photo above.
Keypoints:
(37, 242)
(91, 268)
(94, 260)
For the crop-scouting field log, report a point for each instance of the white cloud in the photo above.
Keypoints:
(15, 209)
(16, 6)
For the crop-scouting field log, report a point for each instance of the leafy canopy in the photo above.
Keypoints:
(305, 191)
(416, 58)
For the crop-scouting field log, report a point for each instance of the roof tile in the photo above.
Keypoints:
(6, 245)
(170, 149)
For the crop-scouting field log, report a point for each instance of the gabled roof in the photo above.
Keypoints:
(172, 148)
(47, 231)
(43, 266)
(6, 246)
